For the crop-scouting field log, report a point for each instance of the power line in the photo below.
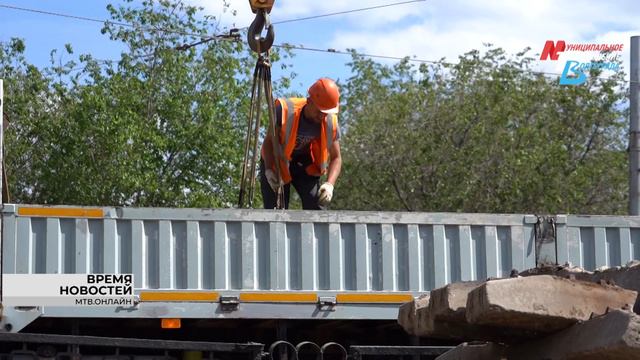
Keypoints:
(388, 57)
(12, 7)
(343, 12)
(83, 18)
(233, 37)
(101, 21)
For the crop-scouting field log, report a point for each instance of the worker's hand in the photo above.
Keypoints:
(272, 178)
(325, 194)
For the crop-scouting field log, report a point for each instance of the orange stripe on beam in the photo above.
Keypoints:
(61, 212)
(373, 298)
(179, 296)
(279, 297)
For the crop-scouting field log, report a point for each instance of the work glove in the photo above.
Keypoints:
(325, 194)
(272, 179)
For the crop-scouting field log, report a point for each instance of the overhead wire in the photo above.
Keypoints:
(413, 59)
(342, 12)
(233, 36)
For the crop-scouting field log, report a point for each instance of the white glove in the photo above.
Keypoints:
(325, 194)
(272, 178)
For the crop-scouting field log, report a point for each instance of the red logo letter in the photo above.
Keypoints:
(552, 50)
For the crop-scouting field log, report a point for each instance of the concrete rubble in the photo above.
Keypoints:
(544, 313)
(615, 335)
(475, 351)
(627, 277)
(407, 313)
(542, 303)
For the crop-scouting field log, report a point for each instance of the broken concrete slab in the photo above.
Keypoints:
(445, 318)
(407, 313)
(627, 277)
(542, 303)
(450, 302)
(446, 304)
(569, 272)
(615, 335)
(475, 351)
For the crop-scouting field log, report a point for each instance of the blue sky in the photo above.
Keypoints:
(427, 30)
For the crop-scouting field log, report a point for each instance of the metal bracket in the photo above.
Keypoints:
(329, 302)
(545, 233)
(229, 303)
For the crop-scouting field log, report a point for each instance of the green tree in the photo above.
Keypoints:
(159, 127)
(483, 135)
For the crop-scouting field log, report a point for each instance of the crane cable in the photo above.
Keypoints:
(261, 81)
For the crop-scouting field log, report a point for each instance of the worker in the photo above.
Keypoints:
(308, 139)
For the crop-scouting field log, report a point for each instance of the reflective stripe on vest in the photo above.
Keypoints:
(330, 118)
(290, 119)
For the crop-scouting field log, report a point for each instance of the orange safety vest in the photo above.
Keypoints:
(291, 110)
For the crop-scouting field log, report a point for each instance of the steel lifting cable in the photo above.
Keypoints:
(261, 82)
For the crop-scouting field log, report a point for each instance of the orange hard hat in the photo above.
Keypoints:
(325, 95)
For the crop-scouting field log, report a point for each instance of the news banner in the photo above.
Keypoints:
(68, 290)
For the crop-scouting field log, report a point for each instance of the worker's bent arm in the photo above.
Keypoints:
(267, 146)
(335, 164)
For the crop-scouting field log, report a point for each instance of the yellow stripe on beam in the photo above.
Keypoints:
(179, 296)
(61, 212)
(279, 297)
(373, 298)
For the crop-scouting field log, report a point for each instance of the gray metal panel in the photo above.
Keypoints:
(204, 310)
(221, 256)
(596, 241)
(278, 269)
(416, 262)
(562, 244)
(625, 246)
(194, 256)
(24, 256)
(426, 234)
(505, 249)
(388, 249)
(9, 235)
(249, 257)
(125, 246)
(139, 255)
(151, 257)
(518, 247)
(335, 257)
(293, 241)
(401, 258)
(440, 256)
(166, 254)
(529, 235)
(308, 258)
(181, 266)
(110, 252)
(613, 247)
(491, 243)
(466, 252)
(362, 258)
(241, 250)
(53, 247)
(82, 257)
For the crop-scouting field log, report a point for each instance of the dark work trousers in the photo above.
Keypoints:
(306, 186)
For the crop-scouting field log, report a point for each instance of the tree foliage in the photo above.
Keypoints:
(158, 127)
(483, 135)
(162, 127)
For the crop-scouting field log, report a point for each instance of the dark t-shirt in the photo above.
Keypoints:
(307, 132)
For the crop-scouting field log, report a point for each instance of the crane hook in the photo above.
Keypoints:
(256, 42)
